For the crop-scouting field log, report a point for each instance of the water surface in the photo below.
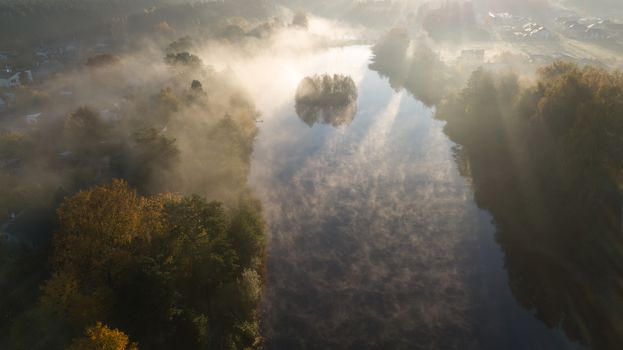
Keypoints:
(374, 238)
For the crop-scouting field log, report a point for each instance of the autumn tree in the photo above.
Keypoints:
(100, 337)
(184, 269)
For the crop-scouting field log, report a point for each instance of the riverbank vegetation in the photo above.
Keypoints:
(543, 154)
(124, 209)
(544, 158)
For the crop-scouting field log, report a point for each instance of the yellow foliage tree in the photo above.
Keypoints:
(101, 228)
(101, 231)
(100, 337)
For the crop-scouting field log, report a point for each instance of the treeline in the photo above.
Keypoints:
(545, 159)
(236, 31)
(26, 22)
(453, 21)
(36, 22)
(371, 14)
(89, 260)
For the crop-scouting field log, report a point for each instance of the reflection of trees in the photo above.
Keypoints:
(545, 161)
(390, 57)
(412, 66)
(327, 99)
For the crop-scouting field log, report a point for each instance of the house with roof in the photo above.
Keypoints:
(12, 79)
(9, 79)
(32, 119)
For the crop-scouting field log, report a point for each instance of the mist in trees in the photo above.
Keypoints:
(300, 20)
(124, 261)
(31, 22)
(326, 99)
(412, 65)
(452, 21)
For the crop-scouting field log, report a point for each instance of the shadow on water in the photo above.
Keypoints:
(375, 239)
(556, 210)
(556, 205)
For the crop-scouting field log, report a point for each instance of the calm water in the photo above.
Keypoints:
(375, 240)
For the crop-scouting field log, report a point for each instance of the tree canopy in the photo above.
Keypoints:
(168, 271)
(100, 337)
(545, 159)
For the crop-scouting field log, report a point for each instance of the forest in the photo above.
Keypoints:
(143, 233)
(42, 22)
(544, 157)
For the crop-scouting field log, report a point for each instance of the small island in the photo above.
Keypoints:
(327, 99)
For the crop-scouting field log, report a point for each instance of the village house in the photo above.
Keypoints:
(591, 28)
(518, 27)
(32, 119)
(11, 79)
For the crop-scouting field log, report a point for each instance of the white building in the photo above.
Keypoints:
(15, 79)
(32, 119)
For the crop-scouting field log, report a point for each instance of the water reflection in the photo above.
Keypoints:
(375, 239)
(412, 65)
(557, 210)
(326, 99)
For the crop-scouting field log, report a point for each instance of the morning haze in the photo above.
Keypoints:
(289, 174)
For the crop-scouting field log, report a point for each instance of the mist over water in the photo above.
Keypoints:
(374, 238)
(290, 174)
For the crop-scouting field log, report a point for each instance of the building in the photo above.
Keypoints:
(32, 119)
(11, 79)
(595, 33)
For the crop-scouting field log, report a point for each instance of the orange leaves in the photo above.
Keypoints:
(100, 337)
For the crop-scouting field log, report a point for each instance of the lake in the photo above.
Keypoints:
(375, 241)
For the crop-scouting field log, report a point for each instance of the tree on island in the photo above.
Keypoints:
(327, 99)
